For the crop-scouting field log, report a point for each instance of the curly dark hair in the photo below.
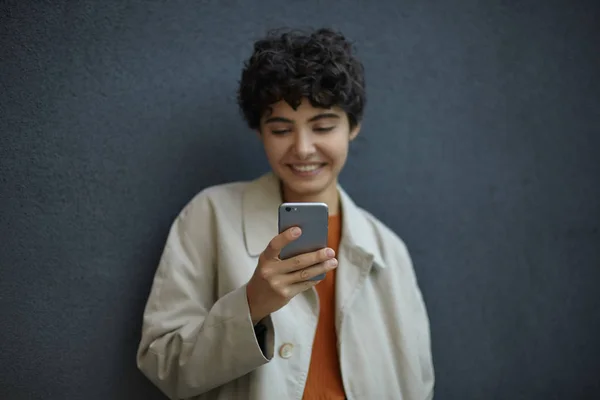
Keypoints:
(291, 65)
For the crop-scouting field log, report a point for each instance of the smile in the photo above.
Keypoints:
(306, 169)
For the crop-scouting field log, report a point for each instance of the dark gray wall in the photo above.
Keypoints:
(480, 148)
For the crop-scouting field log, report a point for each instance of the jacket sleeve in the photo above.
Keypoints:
(427, 370)
(421, 320)
(191, 343)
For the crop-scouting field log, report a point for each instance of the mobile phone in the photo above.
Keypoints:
(313, 219)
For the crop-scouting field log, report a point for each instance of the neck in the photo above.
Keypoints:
(330, 197)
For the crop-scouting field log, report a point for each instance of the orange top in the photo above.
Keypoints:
(324, 381)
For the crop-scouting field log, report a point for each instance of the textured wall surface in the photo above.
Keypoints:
(480, 148)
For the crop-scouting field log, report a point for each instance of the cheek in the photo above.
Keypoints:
(274, 149)
(336, 152)
(338, 149)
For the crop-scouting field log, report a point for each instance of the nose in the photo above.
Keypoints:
(304, 145)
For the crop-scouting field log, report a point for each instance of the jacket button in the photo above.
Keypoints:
(286, 350)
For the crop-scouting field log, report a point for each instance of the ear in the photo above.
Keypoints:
(354, 132)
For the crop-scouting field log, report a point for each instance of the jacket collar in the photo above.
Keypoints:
(261, 200)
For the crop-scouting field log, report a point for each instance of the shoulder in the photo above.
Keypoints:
(370, 233)
(224, 191)
(219, 194)
(393, 251)
(389, 242)
(212, 200)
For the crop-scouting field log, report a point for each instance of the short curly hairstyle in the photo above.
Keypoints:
(291, 65)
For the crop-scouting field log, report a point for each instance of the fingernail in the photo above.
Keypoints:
(330, 253)
(332, 263)
(295, 231)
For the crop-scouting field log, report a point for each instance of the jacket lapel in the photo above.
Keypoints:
(261, 200)
(358, 254)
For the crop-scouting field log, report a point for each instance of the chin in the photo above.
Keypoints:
(307, 190)
(308, 187)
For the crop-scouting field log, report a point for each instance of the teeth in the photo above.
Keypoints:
(306, 168)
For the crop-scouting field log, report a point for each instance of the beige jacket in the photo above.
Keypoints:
(198, 340)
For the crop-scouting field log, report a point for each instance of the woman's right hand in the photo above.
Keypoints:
(275, 282)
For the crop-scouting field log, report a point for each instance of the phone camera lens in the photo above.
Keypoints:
(288, 209)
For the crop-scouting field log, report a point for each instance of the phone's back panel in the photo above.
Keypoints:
(312, 218)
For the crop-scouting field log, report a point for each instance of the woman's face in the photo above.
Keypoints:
(306, 148)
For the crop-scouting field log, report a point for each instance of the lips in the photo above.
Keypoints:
(306, 169)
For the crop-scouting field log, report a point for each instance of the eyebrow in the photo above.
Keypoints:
(313, 119)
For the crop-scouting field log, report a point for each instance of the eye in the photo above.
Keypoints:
(324, 129)
(279, 131)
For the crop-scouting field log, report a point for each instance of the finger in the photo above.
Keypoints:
(280, 241)
(310, 272)
(300, 287)
(306, 260)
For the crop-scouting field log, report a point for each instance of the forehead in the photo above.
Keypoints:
(304, 111)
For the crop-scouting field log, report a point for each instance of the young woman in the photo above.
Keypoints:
(227, 319)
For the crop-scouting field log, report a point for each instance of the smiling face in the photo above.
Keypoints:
(307, 148)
